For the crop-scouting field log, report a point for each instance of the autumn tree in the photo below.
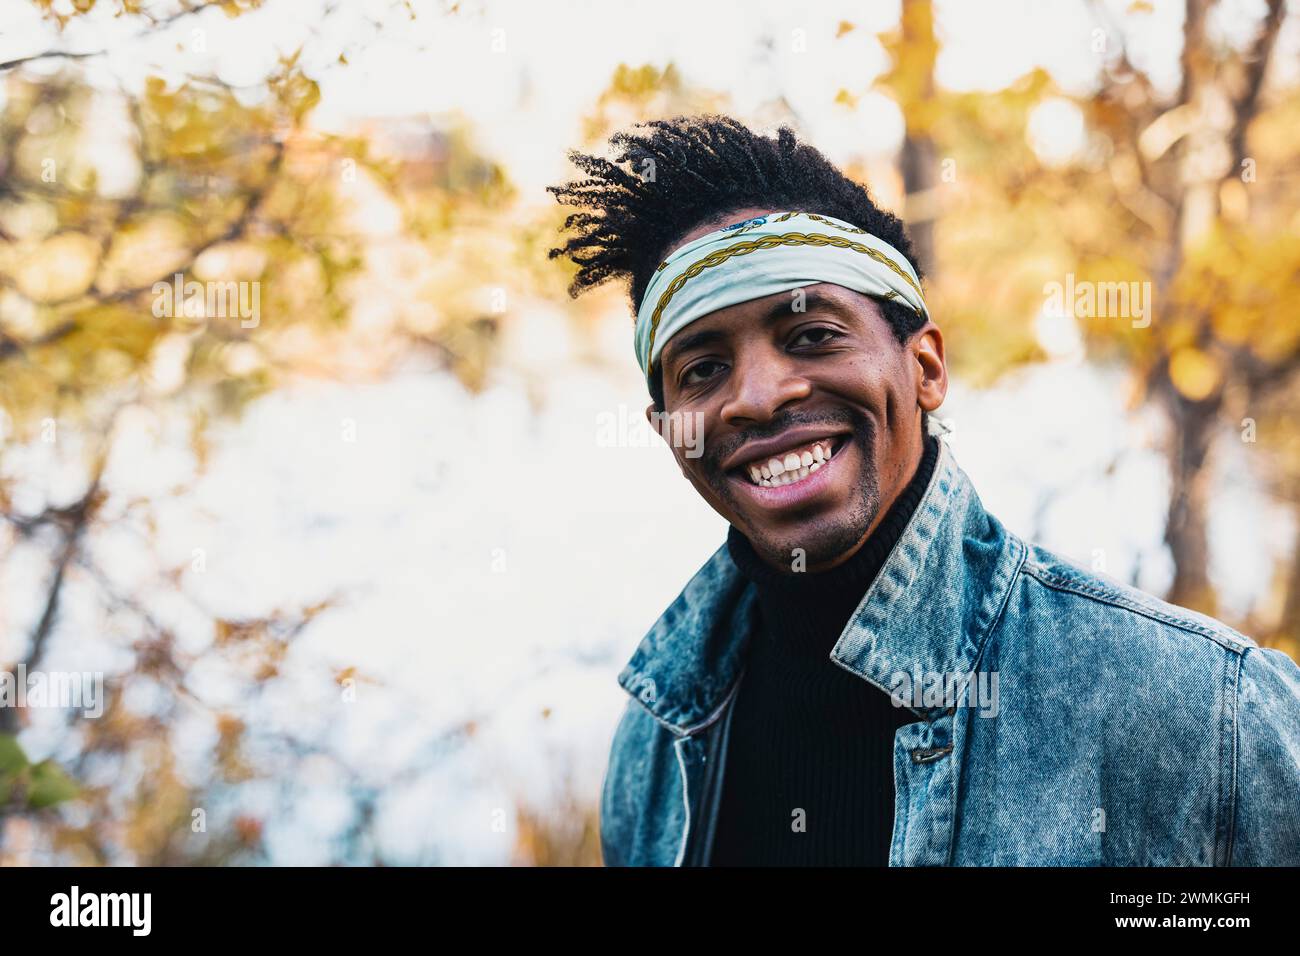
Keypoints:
(103, 238)
(1190, 192)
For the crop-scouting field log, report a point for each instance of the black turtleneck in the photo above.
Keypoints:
(808, 735)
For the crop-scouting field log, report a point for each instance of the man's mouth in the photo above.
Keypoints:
(792, 465)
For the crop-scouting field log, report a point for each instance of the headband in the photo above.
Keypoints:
(758, 257)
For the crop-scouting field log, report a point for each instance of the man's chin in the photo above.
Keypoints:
(814, 548)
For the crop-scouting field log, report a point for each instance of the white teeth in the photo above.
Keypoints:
(791, 467)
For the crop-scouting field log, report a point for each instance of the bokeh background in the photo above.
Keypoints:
(360, 577)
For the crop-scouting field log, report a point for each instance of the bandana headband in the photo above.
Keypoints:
(778, 252)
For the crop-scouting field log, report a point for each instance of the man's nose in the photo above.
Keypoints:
(760, 387)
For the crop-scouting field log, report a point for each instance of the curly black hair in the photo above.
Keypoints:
(689, 171)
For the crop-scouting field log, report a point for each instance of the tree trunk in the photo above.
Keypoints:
(918, 159)
(1187, 527)
(1289, 625)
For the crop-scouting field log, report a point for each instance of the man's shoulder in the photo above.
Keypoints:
(1153, 664)
(1093, 599)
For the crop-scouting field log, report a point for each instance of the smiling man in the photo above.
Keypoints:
(872, 670)
(802, 463)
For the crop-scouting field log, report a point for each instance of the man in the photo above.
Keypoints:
(873, 670)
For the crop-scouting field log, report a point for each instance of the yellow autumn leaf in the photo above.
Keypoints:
(1194, 373)
(61, 267)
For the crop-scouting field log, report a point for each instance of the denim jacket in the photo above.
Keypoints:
(1122, 730)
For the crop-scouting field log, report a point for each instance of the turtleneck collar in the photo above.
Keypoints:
(808, 611)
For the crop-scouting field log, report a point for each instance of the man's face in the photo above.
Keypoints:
(811, 415)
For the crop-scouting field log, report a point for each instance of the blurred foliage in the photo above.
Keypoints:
(105, 197)
(1192, 192)
(566, 832)
(33, 786)
(225, 192)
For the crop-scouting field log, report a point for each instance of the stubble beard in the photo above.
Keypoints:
(832, 536)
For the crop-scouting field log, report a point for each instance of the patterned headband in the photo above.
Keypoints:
(778, 252)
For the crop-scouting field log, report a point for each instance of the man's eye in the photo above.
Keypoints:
(821, 335)
(705, 370)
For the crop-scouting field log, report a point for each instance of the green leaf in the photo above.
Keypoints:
(13, 763)
(50, 785)
(12, 758)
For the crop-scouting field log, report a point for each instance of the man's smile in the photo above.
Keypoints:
(792, 465)
(792, 469)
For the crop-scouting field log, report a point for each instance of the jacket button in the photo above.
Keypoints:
(929, 754)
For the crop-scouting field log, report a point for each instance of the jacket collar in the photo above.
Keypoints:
(927, 612)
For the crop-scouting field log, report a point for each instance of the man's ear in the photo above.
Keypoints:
(661, 423)
(932, 373)
(656, 421)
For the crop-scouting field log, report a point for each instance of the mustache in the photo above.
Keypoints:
(718, 451)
